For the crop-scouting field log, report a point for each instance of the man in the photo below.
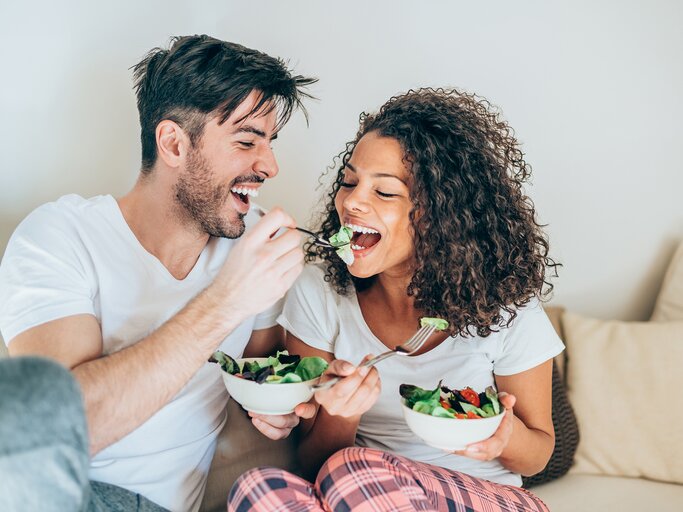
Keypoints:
(135, 294)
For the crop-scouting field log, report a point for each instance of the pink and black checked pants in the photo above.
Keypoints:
(368, 480)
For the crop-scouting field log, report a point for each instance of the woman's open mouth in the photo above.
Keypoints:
(364, 238)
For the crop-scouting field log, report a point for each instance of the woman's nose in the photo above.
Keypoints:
(356, 200)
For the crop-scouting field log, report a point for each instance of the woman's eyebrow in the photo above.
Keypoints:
(377, 174)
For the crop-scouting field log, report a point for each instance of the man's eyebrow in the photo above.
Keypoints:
(255, 131)
(377, 174)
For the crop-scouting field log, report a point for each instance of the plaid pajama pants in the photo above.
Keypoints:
(368, 480)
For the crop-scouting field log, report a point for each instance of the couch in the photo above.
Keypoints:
(624, 382)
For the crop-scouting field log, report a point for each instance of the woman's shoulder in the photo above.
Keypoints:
(313, 275)
(531, 311)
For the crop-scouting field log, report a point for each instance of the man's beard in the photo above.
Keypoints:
(202, 201)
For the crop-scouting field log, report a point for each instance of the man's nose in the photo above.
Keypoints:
(266, 164)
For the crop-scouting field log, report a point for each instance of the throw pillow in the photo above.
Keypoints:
(669, 305)
(624, 381)
(566, 436)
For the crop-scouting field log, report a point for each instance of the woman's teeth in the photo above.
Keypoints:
(244, 191)
(361, 229)
(364, 231)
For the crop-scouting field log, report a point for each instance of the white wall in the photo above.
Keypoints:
(593, 91)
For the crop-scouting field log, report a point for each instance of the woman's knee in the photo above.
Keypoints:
(349, 459)
(268, 485)
(346, 462)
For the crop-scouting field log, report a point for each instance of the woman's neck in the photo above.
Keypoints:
(392, 293)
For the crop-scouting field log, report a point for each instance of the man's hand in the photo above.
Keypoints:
(259, 269)
(279, 427)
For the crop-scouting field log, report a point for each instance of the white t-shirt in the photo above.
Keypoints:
(76, 256)
(325, 320)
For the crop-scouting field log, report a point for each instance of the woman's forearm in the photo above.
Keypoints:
(528, 451)
(327, 435)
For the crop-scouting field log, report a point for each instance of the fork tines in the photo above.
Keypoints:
(417, 340)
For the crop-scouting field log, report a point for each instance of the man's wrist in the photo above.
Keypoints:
(211, 318)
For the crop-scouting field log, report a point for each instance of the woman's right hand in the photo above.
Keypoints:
(354, 394)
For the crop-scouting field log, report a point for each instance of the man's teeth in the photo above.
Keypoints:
(361, 229)
(251, 192)
(357, 247)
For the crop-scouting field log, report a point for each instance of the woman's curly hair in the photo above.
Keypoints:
(480, 253)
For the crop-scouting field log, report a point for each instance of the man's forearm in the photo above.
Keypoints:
(148, 374)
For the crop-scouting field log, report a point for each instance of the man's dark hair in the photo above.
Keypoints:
(200, 77)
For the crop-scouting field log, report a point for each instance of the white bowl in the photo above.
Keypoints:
(267, 398)
(450, 434)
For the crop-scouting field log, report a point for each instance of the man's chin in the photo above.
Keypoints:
(227, 230)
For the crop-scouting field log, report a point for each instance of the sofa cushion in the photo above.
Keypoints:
(592, 493)
(624, 381)
(566, 436)
(669, 305)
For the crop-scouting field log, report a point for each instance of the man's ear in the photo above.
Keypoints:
(172, 143)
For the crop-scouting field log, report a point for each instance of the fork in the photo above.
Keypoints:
(405, 349)
(317, 239)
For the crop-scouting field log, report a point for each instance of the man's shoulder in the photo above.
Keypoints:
(68, 208)
(61, 222)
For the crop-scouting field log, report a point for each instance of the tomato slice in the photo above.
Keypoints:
(471, 396)
(444, 403)
(471, 415)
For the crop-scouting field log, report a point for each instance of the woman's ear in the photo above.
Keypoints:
(172, 143)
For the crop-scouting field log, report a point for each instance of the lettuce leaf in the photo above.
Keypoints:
(438, 323)
(342, 242)
(227, 363)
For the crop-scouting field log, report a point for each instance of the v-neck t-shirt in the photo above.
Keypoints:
(320, 317)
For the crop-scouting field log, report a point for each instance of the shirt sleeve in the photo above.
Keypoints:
(43, 273)
(310, 311)
(268, 318)
(528, 342)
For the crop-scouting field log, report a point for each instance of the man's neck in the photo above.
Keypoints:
(149, 211)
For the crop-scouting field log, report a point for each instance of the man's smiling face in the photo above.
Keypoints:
(226, 167)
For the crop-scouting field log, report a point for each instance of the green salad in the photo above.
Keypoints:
(341, 241)
(281, 368)
(444, 402)
(438, 323)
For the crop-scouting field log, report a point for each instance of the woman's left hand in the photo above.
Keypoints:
(279, 426)
(492, 447)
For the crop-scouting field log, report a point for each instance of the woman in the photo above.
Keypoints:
(432, 187)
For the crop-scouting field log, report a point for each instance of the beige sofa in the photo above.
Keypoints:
(624, 382)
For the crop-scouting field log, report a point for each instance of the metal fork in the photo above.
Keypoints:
(317, 239)
(412, 345)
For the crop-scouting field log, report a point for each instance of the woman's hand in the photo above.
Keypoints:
(279, 426)
(354, 394)
(492, 447)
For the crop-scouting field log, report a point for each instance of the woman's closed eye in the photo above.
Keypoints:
(346, 184)
(386, 194)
